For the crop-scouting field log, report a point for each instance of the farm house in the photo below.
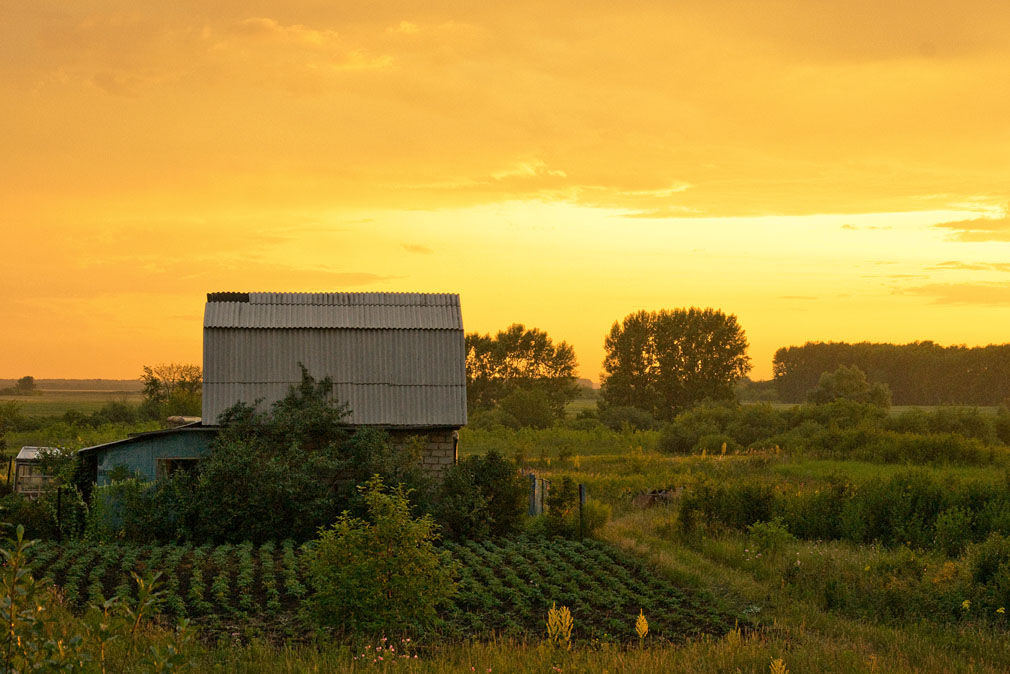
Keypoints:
(397, 359)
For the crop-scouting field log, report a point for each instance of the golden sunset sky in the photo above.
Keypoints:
(824, 170)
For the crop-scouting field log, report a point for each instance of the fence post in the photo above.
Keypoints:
(533, 494)
(582, 501)
(59, 514)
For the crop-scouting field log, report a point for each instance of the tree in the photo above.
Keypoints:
(172, 388)
(25, 386)
(666, 361)
(849, 383)
(516, 358)
(482, 496)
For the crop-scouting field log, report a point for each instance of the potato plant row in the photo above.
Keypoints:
(505, 586)
(226, 582)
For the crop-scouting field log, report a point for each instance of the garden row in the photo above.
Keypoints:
(505, 587)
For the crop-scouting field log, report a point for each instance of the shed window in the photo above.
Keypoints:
(165, 467)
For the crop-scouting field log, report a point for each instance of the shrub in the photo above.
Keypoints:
(273, 474)
(530, 407)
(938, 448)
(968, 422)
(989, 566)
(849, 383)
(953, 530)
(585, 424)
(677, 439)
(619, 417)
(32, 514)
(492, 419)
(140, 511)
(840, 414)
(482, 496)
(1001, 425)
(815, 514)
(902, 510)
(736, 505)
(754, 423)
(561, 502)
(380, 575)
(770, 536)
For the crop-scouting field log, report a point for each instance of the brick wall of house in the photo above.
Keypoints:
(438, 447)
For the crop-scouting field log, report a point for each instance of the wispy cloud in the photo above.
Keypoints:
(954, 265)
(416, 248)
(865, 227)
(980, 229)
(984, 294)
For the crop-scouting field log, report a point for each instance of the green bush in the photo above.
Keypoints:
(815, 514)
(532, 408)
(989, 566)
(1001, 425)
(953, 530)
(755, 424)
(492, 419)
(934, 448)
(32, 514)
(837, 414)
(136, 510)
(735, 505)
(677, 439)
(849, 383)
(380, 575)
(619, 417)
(480, 497)
(770, 536)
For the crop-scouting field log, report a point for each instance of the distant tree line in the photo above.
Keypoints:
(22, 387)
(920, 373)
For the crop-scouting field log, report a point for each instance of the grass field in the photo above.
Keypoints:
(815, 605)
(56, 402)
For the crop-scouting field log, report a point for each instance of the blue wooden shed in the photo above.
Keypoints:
(151, 455)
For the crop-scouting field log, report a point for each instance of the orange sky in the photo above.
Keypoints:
(823, 170)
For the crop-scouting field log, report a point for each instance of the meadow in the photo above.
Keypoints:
(764, 561)
(55, 402)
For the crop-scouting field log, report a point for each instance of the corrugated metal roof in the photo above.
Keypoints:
(31, 453)
(425, 311)
(139, 437)
(398, 359)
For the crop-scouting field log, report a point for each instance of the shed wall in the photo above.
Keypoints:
(141, 455)
(406, 377)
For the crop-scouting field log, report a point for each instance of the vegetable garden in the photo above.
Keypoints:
(505, 587)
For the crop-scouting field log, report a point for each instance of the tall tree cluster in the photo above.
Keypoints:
(666, 361)
(919, 373)
(519, 359)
